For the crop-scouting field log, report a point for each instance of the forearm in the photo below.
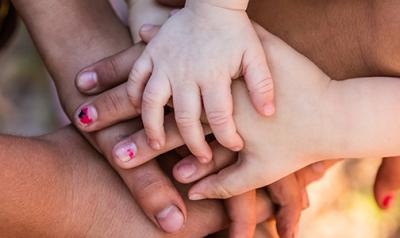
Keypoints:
(70, 35)
(362, 118)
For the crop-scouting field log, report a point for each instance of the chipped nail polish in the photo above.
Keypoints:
(126, 152)
(387, 201)
(87, 115)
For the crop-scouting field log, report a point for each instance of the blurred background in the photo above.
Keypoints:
(342, 204)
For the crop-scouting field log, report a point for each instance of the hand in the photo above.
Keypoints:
(287, 142)
(288, 194)
(64, 59)
(190, 64)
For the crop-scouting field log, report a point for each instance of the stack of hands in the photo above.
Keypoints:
(279, 129)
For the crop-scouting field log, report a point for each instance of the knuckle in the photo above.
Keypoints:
(185, 119)
(112, 103)
(149, 184)
(150, 98)
(222, 192)
(265, 86)
(219, 118)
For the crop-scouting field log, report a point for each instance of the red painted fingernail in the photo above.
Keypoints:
(125, 152)
(87, 115)
(388, 201)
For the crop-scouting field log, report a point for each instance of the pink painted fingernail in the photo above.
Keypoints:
(126, 152)
(170, 219)
(269, 109)
(388, 201)
(196, 197)
(87, 81)
(87, 115)
(186, 169)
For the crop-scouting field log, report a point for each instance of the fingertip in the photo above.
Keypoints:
(268, 109)
(87, 81)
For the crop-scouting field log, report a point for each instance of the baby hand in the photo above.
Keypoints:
(193, 58)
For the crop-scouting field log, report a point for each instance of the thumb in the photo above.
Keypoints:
(147, 32)
(231, 181)
(387, 182)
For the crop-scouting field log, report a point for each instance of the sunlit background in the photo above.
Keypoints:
(342, 204)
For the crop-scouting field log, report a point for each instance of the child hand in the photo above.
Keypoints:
(194, 56)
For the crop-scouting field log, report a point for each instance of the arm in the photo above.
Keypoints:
(71, 34)
(54, 193)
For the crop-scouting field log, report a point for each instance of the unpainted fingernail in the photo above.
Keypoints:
(154, 144)
(170, 219)
(126, 152)
(388, 201)
(196, 197)
(87, 81)
(203, 159)
(87, 115)
(186, 169)
(146, 27)
(269, 109)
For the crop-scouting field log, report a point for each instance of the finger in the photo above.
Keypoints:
(259, 80)
(146, 183)
(226, 184)
(148, 32)
(108, 72)
(138, 78)
(155, 97)
(218, 105)
(287, 195)
(387, 182)
(105, 110)
(190, 169)
(316, 171)
(134, 150)
(242, 213)
(187, 106)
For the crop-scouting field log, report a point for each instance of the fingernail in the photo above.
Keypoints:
(196, 197)
(154, 144)
(87, 115)
(388, 201)
(170, 219)
(126, 152)
(203, 160)
(146, 27)
(269, 109)
(87, 81)
(186, 169)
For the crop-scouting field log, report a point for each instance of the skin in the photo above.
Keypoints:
(360, 60)
(285, 28)
(71, 185)
(154, 79)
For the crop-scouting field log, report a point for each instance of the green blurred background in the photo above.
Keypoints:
(342, 204)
